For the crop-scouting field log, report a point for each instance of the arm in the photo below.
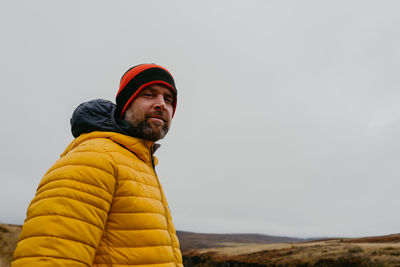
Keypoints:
(66, 218)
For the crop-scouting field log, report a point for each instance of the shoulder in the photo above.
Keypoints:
(90, 162)
(90, 154)
(99, 145)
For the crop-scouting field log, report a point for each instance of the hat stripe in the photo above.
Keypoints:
(135, 71)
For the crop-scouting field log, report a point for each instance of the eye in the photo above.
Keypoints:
(169, 100)
(147, 94)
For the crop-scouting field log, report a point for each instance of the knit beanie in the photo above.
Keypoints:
(138, 78)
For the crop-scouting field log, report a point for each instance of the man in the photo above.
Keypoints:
(101, 203)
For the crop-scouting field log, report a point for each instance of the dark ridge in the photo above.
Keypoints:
(190, 240)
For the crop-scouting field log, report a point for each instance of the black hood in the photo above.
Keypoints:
(98, 115)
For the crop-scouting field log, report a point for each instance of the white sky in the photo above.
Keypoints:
(288, 118)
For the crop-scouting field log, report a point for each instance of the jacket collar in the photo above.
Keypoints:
(141, 148)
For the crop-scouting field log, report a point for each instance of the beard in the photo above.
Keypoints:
(144, 130)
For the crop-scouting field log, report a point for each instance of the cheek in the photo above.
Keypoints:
(135, 113)
(139, 109)
(170, 111)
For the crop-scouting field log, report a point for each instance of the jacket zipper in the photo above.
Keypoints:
(162, 201)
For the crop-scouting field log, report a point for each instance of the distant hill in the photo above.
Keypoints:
(394, 238)
(190, 240)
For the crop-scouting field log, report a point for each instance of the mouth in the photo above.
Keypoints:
(156, 118)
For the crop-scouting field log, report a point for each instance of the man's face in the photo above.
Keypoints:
(150, 113)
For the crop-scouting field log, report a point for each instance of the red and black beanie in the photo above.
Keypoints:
(138, 78)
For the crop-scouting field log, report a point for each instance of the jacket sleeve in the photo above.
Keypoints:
(66, 219)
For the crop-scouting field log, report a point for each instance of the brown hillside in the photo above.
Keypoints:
(319, 253)
(8, 241)
(395, 238)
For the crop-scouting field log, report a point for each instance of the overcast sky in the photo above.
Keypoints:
(288, 117)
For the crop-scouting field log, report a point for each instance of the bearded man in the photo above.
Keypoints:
(101, 203)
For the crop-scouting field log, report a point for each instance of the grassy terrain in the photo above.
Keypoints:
(333, 252)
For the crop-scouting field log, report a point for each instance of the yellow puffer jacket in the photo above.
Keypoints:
(100, 204)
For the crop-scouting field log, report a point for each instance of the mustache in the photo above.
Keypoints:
(157, 114)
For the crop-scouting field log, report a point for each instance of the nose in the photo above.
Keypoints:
(160, 102)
